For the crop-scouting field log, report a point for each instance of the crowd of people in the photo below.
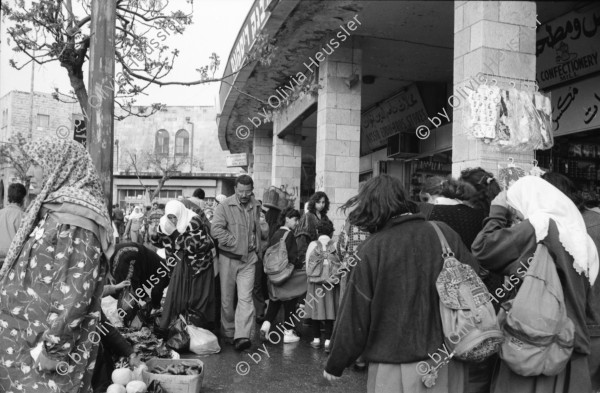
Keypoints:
(368, 293)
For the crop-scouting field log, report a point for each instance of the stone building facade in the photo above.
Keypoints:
(186, 134)
(354, 82)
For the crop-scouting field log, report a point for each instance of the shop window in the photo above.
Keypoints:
(161, 145)
(182, 143)
(170, 194)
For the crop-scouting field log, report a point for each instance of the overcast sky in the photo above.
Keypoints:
(215, 28)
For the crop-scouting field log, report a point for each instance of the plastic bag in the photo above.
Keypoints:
(110, 308)
(202, 341)
(179, 339)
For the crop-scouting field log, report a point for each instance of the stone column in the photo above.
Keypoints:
(338, 129)
(496, 39)
(262, 149)
(287, 162)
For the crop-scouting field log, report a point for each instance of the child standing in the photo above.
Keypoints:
(288, 219)
(322, 264)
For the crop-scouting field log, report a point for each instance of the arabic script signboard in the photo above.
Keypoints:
(568, 47)
(235, 160)
(575, 107)
(401, 113)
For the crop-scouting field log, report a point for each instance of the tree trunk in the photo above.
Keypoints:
(76, 79)
(160, 185)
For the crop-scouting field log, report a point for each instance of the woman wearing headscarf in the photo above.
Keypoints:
(53, 278)
(134, 225)
(188, 247)
(546, 216)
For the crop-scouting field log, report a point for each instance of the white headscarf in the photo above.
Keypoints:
(137, 213)
(539, 201)
(220, 198)
(183, 214)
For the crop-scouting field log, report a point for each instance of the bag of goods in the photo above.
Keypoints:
(179, 339)
(202, 341)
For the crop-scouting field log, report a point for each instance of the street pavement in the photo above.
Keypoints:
(284, 368)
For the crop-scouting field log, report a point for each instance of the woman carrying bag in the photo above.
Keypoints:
(549, 217)
(390, 311)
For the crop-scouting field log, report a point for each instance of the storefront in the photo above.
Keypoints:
(381, 87)
(568, 69)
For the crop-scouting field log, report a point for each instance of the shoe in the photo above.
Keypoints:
(228, 340)
(327, 346)
(316, 343)
(264, 330)
(242, 343)
(290, 337)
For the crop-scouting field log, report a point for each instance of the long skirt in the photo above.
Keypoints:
(322, 301)
(575, 378)
(404, 378)
(190, 295)
(52, 295)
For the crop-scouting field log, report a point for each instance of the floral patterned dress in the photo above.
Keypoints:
(191, 289)
(52, 295)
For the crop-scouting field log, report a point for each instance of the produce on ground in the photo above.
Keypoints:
(178, 369)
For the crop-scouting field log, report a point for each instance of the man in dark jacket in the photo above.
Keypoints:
(236, 227)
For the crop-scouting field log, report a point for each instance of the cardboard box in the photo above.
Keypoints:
(175, 383)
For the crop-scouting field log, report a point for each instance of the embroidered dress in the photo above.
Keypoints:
(191, 288)
(53, 294)
(52, 280)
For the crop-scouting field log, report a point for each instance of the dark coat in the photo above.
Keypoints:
(390, 311)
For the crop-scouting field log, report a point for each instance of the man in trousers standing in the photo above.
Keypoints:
(236, 227)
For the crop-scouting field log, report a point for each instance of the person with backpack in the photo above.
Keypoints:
(390, 312)
(322, 265)
(288, 219)
(452, 202)
(591, 216)
(548, 218)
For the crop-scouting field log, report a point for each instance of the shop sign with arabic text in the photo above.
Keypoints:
(575, 107)
(400, 113)
(568, 47)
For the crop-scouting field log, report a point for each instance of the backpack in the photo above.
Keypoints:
(539, 334)
(469, 322)
(322, 262)
(275, 262)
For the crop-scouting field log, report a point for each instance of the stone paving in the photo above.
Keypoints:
(288, 368)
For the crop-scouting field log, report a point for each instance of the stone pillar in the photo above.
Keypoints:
(496, 39)
(338, 130)
(287, 163)
(262, 149)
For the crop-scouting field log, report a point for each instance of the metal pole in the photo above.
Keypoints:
(100, 135)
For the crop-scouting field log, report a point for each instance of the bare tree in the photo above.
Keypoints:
(13, 155)
(167, 167)
(58, 30)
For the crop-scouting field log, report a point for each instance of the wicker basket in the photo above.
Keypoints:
(175, 383)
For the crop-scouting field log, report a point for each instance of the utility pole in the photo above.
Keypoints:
(31, 97)
(100, 123)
